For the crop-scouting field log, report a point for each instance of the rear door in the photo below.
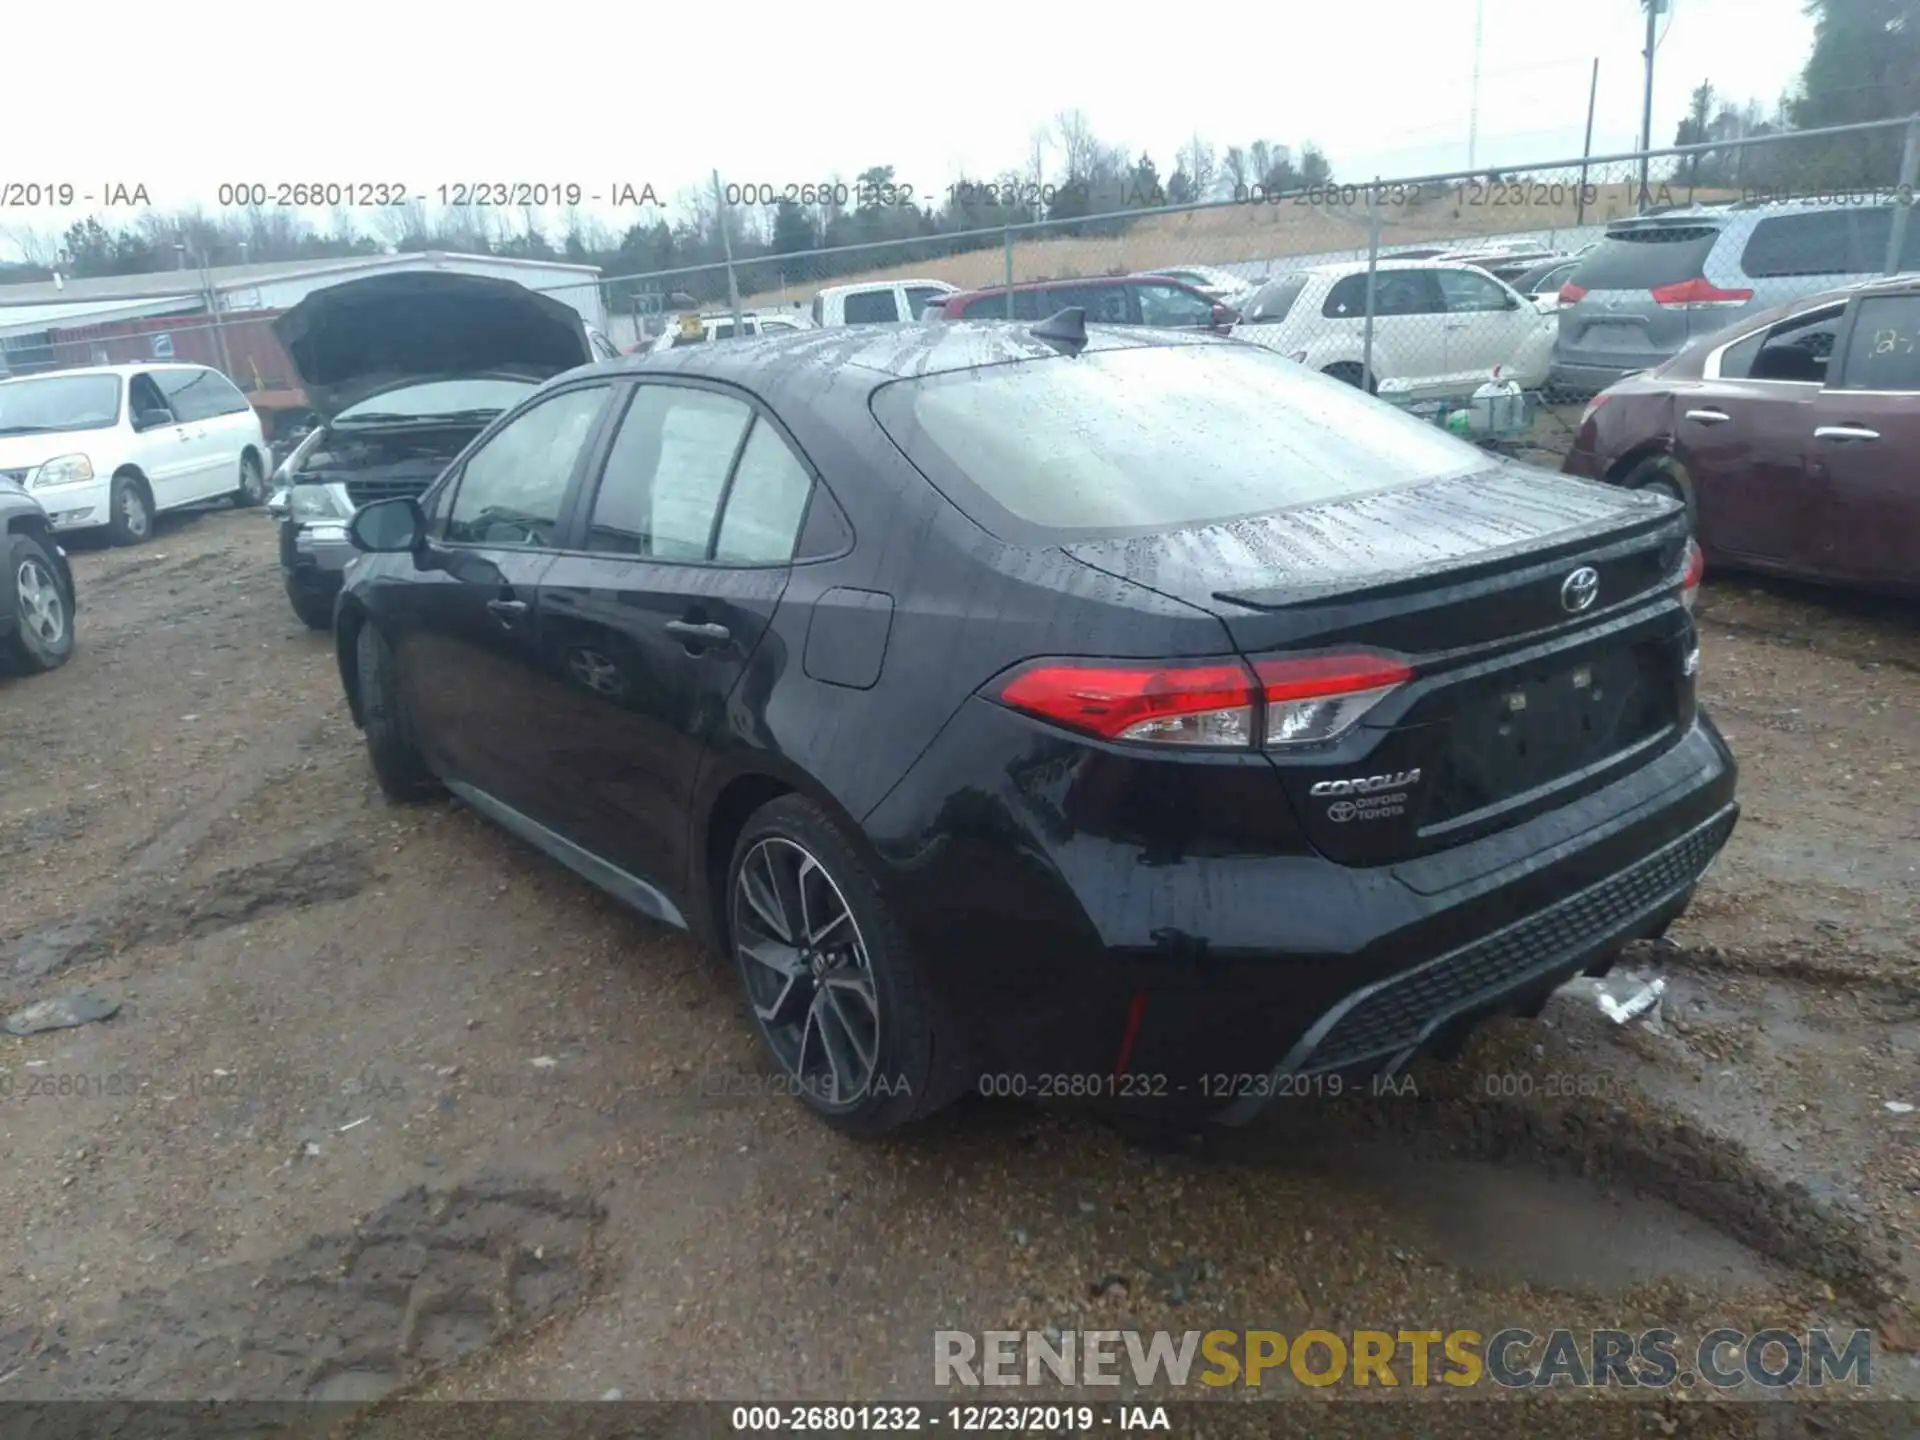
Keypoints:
(652, 616)
(465, 630)
(1617, 324)
(1483, 329)
(194, 400)
(1743, 438)
(1409, 326)
(1863, 456)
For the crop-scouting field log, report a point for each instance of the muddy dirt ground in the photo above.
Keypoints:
(394, 1106)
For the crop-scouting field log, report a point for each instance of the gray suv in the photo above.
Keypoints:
(1655, 284)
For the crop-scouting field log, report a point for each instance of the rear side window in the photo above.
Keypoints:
(1827, 242)
(1647, 258)
(196, 394)
(1104, 304)
(1154, 438)
(1395, 292)
(871, 307)
(1796, 350)
(1273, 300)
(1008, 304)
(1883, 351)
(666, 472)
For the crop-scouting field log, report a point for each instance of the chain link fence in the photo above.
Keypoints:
(1494, 303)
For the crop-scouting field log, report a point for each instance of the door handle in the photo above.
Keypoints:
(699, 634)
(1845, 432)
(507, 611)
(1709, 417)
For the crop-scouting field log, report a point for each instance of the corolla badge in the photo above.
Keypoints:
(1371, 803)
(1579, 590)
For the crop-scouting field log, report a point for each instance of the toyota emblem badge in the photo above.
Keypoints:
(1580, 589)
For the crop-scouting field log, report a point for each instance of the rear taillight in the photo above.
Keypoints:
(1314, 699)
(1699, 294)
(1692, 574)
(1593, 406)
(1572, 294)
(1306, 700)
(1208, 705)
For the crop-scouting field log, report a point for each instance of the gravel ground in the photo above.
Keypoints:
(394, 1106)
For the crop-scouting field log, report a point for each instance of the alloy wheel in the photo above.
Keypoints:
(43, 610)
(807, 972)
(133, 510)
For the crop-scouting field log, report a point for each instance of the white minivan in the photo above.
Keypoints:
(878, 302)
(110, 446)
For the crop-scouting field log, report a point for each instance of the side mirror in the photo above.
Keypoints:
(152, 419)
(1225, 316)
(1513, 302)
(388, 527)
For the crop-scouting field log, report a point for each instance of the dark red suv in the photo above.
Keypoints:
(1107, 299)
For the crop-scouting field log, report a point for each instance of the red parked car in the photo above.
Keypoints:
(1107, 299)
(1793, 437)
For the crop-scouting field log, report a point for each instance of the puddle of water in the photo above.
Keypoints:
(1513, 1223)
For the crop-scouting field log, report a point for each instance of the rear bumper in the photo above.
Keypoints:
(1381, 1027)
(1159, 980)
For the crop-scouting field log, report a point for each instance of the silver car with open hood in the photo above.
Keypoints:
(403, 371)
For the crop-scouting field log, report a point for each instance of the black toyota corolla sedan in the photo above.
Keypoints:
(1122, 715)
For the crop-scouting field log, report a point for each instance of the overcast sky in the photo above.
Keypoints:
(603, 94)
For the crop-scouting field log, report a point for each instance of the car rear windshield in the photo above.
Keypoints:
(1154, 438)
(1650, 256)
(1273, 300)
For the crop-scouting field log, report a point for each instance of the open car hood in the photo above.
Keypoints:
(354, 340)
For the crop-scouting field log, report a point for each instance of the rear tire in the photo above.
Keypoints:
(253, 483)
(404, 777)
(42, 610)
(844, 1012)
(130, 509)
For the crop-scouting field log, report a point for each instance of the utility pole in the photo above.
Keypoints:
(726, 245)
(1473, 113)
(1593, 97)
(1655, 8)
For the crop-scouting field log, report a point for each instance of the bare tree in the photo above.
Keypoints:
(1196, 160)
(37, 247)
(1078, 146)
(1238, 169)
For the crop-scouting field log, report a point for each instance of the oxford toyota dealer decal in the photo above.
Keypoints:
(1373, 797)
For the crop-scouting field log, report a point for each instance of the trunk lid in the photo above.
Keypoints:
(350, 341)
(1523, 697)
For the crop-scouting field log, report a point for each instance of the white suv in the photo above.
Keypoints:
(113, 445)
(1439, 331)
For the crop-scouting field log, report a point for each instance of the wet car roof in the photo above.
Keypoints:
(891, 351)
